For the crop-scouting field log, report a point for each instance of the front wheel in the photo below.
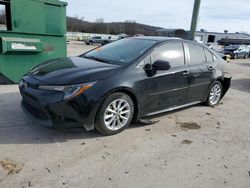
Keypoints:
(246, 56)
(215, 94)
(115, 114)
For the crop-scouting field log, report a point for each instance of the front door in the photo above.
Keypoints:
(167, 88)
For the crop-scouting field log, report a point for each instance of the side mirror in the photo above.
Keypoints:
(161, 65)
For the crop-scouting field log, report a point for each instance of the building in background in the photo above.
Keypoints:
(225, 38)
(78, 36)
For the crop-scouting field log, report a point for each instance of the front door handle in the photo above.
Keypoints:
(210, 67)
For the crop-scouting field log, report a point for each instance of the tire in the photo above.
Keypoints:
(90, 42)
(246, 56)
(111, 119)
(215, 94)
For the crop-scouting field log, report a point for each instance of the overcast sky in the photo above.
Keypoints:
(215, 15)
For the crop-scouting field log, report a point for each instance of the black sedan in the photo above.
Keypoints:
(111, 86)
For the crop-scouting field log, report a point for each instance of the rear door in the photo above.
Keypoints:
(168, 88)
(202, 67)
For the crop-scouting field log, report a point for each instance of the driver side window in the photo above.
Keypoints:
(172, 52)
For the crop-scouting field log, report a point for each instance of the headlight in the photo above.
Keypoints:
(69, 91)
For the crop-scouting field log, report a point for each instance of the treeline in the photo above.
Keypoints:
(99, 26)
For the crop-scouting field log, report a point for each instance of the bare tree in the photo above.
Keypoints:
(129, 27)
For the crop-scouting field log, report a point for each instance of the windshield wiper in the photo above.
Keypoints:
(96, 59)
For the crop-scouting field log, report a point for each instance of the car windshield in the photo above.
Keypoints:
(121, 52)
(232, 47)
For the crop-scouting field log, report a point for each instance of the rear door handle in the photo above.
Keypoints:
(209, 67)
(196, 75)
(185, 73)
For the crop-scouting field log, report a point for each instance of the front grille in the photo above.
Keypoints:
(33, 106)
(39, 114)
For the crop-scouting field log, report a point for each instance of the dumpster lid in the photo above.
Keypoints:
(53, 2)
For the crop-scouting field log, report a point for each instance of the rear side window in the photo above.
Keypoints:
(172, 52)
(209, 56)
(197, 54)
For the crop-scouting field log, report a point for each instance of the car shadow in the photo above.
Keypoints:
(241, 85)
(17, 128)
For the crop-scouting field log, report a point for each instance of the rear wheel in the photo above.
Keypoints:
(215, 94)
(90, 42)
(115, 114)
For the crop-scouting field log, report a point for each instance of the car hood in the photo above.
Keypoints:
(72, 70)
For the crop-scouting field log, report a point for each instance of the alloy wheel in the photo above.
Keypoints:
(117, 114)
(215, 94)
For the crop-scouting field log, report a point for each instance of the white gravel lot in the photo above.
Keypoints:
(214, 154)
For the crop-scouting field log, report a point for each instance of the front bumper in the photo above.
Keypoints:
(37, 115)
(50, 110)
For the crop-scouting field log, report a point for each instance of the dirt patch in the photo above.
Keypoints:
(11, 166)
(186, 142)
(189, 125)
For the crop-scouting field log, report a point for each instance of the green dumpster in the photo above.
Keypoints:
(33, 32)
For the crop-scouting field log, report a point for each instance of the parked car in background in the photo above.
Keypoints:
(219, 49)
(248, 47)
(139, 35)
(103, 40)
(109, 87)
(237, 51)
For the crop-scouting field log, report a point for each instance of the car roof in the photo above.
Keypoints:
(158, 39)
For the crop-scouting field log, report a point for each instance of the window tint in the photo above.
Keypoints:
(197, 54)
(123, 51)
(171, 52)
(209, 55)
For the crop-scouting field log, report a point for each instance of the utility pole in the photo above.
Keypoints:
(195, 17)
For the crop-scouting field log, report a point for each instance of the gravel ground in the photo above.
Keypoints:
(194, 147)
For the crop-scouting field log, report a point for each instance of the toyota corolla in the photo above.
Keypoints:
(111, 86)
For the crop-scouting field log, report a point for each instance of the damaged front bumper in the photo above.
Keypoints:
(50, 110)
